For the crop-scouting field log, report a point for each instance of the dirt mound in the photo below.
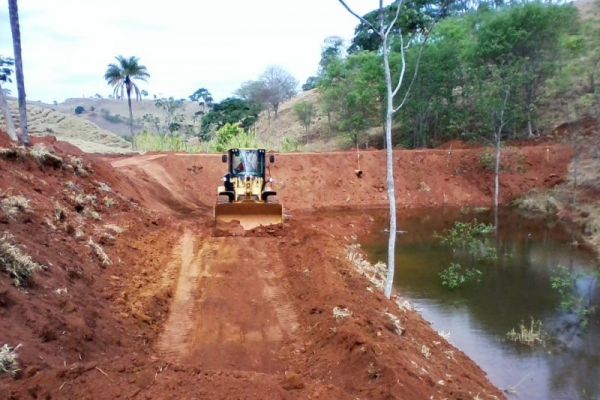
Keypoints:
(309, 181)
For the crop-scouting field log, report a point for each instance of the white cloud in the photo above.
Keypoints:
(67, 44)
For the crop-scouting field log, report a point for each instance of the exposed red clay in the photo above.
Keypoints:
(188, 311)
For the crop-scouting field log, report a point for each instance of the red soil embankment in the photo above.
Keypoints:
(308, 181)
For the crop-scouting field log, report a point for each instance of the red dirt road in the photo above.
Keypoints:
(187, 312)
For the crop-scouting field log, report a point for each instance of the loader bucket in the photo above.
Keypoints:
(250, 214)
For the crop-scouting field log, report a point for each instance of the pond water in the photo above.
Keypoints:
(515, 288)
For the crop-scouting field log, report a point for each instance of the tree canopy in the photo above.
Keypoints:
(229, 111)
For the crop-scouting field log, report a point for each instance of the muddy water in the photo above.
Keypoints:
(516, 288)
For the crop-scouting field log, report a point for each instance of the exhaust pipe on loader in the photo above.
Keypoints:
(246, 195)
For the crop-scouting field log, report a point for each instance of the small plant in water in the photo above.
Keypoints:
(471, 237)
(455, 275)
(467, 239)
(528, 335)
(564, 282)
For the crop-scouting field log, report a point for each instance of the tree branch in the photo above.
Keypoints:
(389, 29)
(414, 78)
(361, 19)
(403, 56)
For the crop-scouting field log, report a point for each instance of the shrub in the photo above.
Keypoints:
(234, 136)
(487, 160)
(79, 110)
(456, 275)
(18, 265)
(470, 237)
(289, 145)
(564, 282)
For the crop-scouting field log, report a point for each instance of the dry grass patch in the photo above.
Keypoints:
(18, 265)
(528, 335)
(115, 229)
(78, 166)
(8, 360)
(100, 253)
(375, 273)
(43, 156)
(340, 313)
(15, 205)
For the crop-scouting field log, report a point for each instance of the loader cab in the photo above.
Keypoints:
(246, 163)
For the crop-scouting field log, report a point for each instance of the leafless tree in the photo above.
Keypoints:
(280, 86)
(385, 33)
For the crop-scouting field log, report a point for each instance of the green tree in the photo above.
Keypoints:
(121, 77)
(311, 83)
(16, 39)
(173, 117)
(229, 111)
(352, 91)
(204, 99)
(332, 49)
(304, 111)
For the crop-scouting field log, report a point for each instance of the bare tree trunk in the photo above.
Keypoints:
(10, 125)
(498, 144)
(497, 181)
(391, 190)
(16, 36)
(133, 146)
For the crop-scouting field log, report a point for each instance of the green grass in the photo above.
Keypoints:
(147, 141)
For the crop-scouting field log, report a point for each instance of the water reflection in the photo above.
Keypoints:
(514, 289)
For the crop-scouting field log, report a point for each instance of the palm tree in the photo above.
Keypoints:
(16, 37)
(120, 76)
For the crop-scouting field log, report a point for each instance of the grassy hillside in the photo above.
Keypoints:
(113, 115)
(70, 128)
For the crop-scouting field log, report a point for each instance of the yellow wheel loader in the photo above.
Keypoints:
(246, 195)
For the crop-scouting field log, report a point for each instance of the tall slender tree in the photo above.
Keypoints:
(384, 31)
(121, 77)
(13, 11)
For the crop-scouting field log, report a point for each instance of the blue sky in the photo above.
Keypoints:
(186, 45)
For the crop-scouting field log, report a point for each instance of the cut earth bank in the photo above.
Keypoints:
(180, 310)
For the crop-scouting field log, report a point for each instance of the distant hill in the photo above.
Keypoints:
(113, 115)
(82, 133)
(320, 136)
(287, 126)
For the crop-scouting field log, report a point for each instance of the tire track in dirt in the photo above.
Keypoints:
(173, 340)
(230, 309)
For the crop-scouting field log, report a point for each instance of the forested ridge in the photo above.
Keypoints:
(536, 62)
